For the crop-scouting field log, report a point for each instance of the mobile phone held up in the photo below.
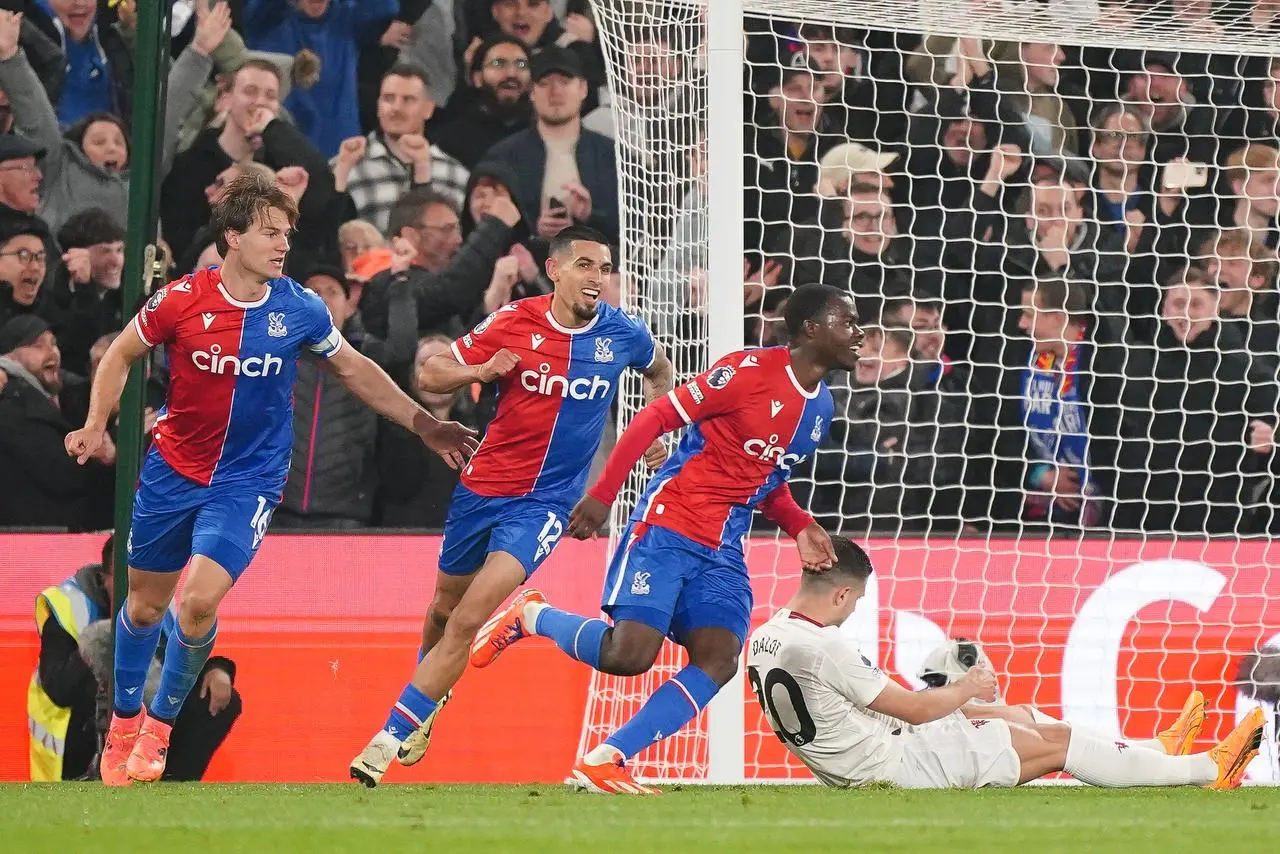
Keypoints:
(1182, 175)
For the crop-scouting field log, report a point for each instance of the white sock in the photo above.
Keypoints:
(1114, 764)
(605, 752)
(529, 613)
(1146, 744)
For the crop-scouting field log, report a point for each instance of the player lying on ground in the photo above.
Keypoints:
(850, 724)
(558, 359)
(680, 570)
(220, 450)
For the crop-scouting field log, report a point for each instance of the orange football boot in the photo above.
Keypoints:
(608, 778)
(503, 630)
(122, 734)
(1237, 750)
(1179, 738)
(150, 752)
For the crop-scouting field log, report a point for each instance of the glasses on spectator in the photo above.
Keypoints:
(26, 256)
(868, 217)
(454, 227)
(502, 63)
(19, 167)
(1120, 135)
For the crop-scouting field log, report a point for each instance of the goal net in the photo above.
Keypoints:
(1058, 221)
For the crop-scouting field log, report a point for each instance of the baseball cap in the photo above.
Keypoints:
(14, 146)
(554, 59)
(21, 331)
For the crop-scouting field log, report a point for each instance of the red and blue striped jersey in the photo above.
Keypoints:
(232, 365)
(552, 408)
(751, 423)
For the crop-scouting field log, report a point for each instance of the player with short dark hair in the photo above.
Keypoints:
(220, 451)
(851, 724)
(558, 360)
(680, 569)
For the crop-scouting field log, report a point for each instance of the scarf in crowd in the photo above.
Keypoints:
(1056, 420)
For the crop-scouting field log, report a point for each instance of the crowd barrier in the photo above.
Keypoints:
(323, 629)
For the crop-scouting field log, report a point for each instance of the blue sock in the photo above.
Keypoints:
(135, 647)
(184, 660)
(676, 702)
(579, 637)
(408, 713)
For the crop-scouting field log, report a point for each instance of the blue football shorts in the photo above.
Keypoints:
(525, 527)
(175, 518)
(667, 581)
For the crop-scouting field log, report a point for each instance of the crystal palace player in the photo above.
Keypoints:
(851, 724)
(681, 571)
(221, 447)
(559, 359)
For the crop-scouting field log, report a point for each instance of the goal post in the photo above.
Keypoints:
(972, 156)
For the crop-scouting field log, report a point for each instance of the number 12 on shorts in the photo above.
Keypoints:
(260, 521)
(792, 706)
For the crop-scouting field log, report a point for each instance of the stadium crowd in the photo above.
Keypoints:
(1065, 257)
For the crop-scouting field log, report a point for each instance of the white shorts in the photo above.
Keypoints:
(957, 753)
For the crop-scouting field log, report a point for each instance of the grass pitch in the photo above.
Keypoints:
(276, 819)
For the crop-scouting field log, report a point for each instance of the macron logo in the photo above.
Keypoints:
(537, 340)
(749, 362)
(776, 407)
(208, 319)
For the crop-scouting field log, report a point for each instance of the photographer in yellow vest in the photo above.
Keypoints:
(67, 699)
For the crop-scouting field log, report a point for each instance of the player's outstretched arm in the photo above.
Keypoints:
(814, 543)
(363, 378)
(655, 420)
(443, 374)
(921, 707)
(108, 384)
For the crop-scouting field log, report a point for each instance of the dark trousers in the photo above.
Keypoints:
(197, 735)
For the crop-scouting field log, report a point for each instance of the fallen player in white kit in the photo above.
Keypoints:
(851, 724)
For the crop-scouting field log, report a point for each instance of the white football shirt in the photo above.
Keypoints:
(814, 686)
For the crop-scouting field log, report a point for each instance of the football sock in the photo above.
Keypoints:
(135, 647)
(184, 660)
(1117, 764)
(1146, 743)
(409, 713)
(676, 702)
(580, 638)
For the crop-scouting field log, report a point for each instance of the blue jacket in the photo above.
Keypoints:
(328, 112)
(526, 154)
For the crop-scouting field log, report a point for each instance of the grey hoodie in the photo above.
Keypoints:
(71, 183)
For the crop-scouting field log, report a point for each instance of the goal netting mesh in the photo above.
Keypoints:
(1058, 221)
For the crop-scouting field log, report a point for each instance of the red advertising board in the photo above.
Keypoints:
(324, 628)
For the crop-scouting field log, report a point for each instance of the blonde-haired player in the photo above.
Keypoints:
(850, 724)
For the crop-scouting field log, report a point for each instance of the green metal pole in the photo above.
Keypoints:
(151, 71)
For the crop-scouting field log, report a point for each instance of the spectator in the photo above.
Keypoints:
(896, 444)
(253, 130)
(88, 290)
(328, 112)
(1068, 397)
(42, 485)
(331, 476)
(67, 697)
(495, 106)
(1180, 126)
(922, 314)
(378, 169)
(24, 261)
(565, 173)
(1245, 273)
(783, 147)
(534, 23)
(416, 487)
(1197, 433)
(865, 256)
(450, 298)
(867, 99)
(89, 167)
(355, 238)
(94, 73)
(493, 180)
